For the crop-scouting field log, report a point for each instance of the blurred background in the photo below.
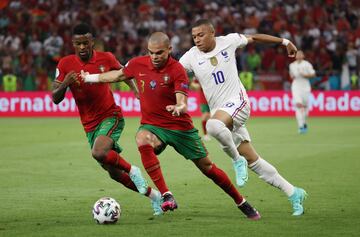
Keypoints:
(35, 34)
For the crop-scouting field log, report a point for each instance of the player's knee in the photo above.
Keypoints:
(214, 127)
(98, 154)
(204, 164)
(143, 139)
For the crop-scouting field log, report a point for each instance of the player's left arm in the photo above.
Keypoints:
(132, 84)
(181, 105)
(264, 38)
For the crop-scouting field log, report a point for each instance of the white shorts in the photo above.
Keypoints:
(300, 93)
(240, 113)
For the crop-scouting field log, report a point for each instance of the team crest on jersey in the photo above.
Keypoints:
(225, 55)
(102, 68)
(152, 84)
(214, 61)
(166, 79)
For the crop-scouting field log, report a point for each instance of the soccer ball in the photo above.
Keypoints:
(106, 210)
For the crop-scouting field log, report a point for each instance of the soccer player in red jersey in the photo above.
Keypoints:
(102, 119)
(163, 87)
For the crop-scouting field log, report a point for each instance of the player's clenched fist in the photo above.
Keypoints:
(291, 49)
(70, 78)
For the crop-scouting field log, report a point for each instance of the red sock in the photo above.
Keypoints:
(114, 159)
(222, 180)
(203, 123)
(124, 178)
(152, 167)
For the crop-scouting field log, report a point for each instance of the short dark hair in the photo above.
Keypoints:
(82, 29)
(201, 22)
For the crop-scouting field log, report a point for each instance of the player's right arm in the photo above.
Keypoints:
(110, 76)
(59, 88)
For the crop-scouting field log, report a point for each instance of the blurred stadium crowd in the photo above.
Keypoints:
(35, 34)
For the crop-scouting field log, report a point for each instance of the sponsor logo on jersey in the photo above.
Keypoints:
(201, 63)
(230, 104)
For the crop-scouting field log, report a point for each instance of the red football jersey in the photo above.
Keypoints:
(202, 98)
(157, 90)
(94, 101)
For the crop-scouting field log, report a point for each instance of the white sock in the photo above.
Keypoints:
(270, 175)
(300, 118)
(220, 132)
(154, 194)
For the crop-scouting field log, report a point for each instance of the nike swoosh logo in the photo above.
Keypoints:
(200, 63)
(142, 74)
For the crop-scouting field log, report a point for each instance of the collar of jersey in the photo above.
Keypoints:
(92, 59)
(164, 68)
(218, 48)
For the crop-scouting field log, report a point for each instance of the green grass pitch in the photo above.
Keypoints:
(49, 182)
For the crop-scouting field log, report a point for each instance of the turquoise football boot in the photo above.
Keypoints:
(297, 200)
(241, 172)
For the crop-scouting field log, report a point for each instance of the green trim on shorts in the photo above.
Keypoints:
(204, 108)
(187, 143)
(111, 127)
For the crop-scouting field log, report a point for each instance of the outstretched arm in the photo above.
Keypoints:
(110, 76)
(263, 38)
(181, 105)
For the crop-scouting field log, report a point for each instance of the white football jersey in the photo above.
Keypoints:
(216, 70)
(297, 68)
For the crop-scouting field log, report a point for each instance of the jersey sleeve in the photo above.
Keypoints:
(185, 61)
(239, 40)
(130, 69)
(291, 70)
(181, 83)
(309, 68)
(114, 63)
(60, 72)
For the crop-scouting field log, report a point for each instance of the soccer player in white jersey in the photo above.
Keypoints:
(300, 72)
(213, 62)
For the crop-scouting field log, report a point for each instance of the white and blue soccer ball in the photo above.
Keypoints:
(106, 210)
